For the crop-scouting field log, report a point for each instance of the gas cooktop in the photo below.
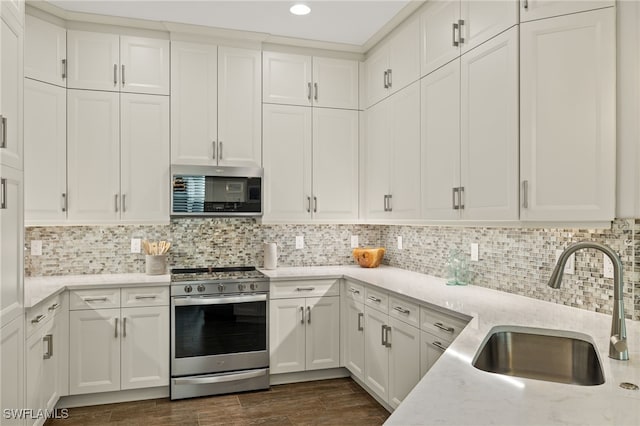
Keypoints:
(228, 273)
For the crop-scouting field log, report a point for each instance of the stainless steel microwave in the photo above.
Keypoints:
(216, 191)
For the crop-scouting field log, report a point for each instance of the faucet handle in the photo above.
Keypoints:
(619, 344)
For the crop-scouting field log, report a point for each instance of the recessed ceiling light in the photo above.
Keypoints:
(300, 9)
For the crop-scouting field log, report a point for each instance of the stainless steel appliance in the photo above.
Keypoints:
(219, 331)
(216, 191)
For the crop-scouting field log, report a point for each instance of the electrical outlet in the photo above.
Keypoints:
(299, 242)
(570, 266)
(135, 245)
(475, 252)
(36, 247)
(399, 243)
(354, 241)
(608, 266)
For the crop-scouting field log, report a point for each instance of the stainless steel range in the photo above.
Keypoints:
(219, 331)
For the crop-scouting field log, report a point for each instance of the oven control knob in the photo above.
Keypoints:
(241, 287)
(188, 289)
(201, 288)
(252, 286)
(220, 288)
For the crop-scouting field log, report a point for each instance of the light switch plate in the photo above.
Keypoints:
(399, 242)
(570, 266)
(299, 242)
(608, 266)
(354, 241)
(135, 245)
(475, 250)
(36, 247)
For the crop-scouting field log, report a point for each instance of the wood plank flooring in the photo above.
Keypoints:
(326, 402)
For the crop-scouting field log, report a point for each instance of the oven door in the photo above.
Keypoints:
(212, 334)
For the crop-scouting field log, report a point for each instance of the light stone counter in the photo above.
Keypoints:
(453, 392)
(38, 289)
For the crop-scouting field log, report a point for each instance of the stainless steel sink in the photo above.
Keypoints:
(549, 355)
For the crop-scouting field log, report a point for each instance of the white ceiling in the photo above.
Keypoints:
(351, 21)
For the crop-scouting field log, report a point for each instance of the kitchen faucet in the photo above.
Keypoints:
(618, 341)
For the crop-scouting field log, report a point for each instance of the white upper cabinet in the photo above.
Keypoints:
(304, 80)
(11, 78)
(45, 51)
(13, 11)
(568, 117)
(144, 65)
(101, 61)
(194, 103)
(451, 28)
(11, 245)
(45, 152)
(239, 107)
(394, 64)
(144, 158)
(537, 9)
(489, 130)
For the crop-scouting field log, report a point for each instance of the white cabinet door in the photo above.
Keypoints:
(94, 351)
(404, 360)
(484, 19)
(286, 79)
(440, 146)
(144, 164)
(13, 11)
(35, 387)
(93, 60)
(239, 107)
(93, 156)
(145, 347)
(431, 348)
(438, 38)
(536, 9)
(11, 246)
(144, 65)
(376, 363)
(12, 361)
(335, 83)
(489, 129)
(375, 68)
(11, 96)
(51, 373)
(404, 145)
(287, 335)
(45, 51)
(353, 329)
(322, 345)
(404, 56)
(287, 162)
(194, 103)
(376, 161)
(335, 164)
(568, 117)
(45, 153)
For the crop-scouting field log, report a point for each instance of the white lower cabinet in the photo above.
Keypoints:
(12, 368)
(116, 349)
(353, 329)
(376, 363)
(404, 360)
(431, 347)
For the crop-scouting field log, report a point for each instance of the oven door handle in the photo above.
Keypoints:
(220, 379)
(217, 300)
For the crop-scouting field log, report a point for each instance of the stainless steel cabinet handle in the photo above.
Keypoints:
(3, 132)
(315, 89)
(374, 299)
(220, 150)
(48, 339)
(122, 75)
(444, 327)
(360, 316)
(384, 80)
(54, 306)
(309, 91)
(461, 199)
(64, 202)
(383, 342)
(308, 204)
(95, 299)
(3, 193)
(38, 319)
(385, 203)
(116, 202)
(305, 288)
(525, 194)
(124, 205)
(141, 296)
(354, 291)
(389, 197)
(402, 310)
(213, 144)
(115, 74)
(460, 24)
(308, 314)
(315, 204)
(389, 79)
(116, 329)
(455, 28)
(124, 327)
(386, 337)
(526, 4)
(455, 201)
(64, 69)
(439, 346)
(301, 314)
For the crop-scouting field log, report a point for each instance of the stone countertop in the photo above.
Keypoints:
(38, 289)
(453, 392)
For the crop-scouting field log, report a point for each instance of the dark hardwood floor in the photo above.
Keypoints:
(328, 402)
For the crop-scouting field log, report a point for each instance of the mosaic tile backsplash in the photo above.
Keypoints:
(514, 260)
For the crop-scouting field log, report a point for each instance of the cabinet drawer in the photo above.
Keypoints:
(42, 312)
(306, 288)
(145, 296)
(94, 299)
(404, 310)
(354, 291)
(441, 325)
(376, 299)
